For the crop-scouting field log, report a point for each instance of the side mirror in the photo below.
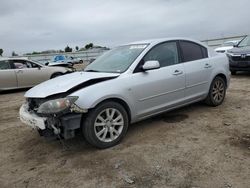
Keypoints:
(47, 63)
(235, 45)
(150, 65)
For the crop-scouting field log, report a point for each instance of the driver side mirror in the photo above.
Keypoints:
(150, 65)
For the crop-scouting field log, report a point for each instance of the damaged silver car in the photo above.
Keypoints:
(125, 85)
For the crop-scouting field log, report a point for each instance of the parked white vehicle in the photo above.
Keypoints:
(126, 85)
(227, 46)
(23, 73)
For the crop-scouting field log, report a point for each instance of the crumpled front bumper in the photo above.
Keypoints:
(50, 127)
(31, 119)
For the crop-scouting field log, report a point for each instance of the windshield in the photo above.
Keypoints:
(245, 42)
(117, 60)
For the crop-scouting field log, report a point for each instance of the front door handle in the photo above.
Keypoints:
(207, 65)
(177, 72)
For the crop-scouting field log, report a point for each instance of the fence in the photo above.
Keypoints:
(84, 55)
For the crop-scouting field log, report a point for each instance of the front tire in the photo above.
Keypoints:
(105, 125)
(217, 92)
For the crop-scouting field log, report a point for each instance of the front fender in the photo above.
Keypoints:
(91, 96)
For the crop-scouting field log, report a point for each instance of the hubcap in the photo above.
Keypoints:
(109, 125)
(218, 91)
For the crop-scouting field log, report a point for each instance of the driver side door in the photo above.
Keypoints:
(157, 90)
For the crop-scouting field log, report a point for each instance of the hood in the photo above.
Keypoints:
(240, 50)
(68, 82)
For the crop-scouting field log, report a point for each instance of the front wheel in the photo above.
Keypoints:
(105, 125)
(217, 92)
(233, 72)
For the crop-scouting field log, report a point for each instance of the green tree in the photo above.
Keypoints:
(88, 46)
(14, 53)
(77, 48)
(68, 49)
(1, 52)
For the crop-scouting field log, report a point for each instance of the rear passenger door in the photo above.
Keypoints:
(28, 73)
(7, 76)
(197, 67)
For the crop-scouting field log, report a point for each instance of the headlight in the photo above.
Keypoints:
(57, 105)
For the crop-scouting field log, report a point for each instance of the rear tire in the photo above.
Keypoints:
(217, 92)
(105, 125)
(56, 75)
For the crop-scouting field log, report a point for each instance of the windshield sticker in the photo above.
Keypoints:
(139, 46)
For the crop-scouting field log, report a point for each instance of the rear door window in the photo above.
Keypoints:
(192, 51)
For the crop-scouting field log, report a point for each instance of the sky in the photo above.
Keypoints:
(37, 25)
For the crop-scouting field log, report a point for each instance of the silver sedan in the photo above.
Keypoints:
(23, 73)
(126, 85)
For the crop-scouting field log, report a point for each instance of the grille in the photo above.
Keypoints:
(239, 58)
(34, 103)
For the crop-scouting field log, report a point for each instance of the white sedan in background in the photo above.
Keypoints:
(227, 46)
(22, 73)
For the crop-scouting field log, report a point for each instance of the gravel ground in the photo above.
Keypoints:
(195, 146)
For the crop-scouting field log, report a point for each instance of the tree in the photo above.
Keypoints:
(77, 48)
(68, 49)
(88, 46)
(14, 54)
(1, 52)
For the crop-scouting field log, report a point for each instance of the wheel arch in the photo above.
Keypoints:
(223, 76)
(121, 102)
(54, 73)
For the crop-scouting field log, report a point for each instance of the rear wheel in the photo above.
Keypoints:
(105, 125)
(217, 92)
(56, 75)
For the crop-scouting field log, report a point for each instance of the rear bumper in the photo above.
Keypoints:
(65, 125)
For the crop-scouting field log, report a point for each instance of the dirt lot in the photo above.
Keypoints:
(196, 146)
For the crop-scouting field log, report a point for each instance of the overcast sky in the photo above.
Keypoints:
(36, 25)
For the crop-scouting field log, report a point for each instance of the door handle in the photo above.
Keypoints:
(19, 71)
(177, 72)
(207, 66)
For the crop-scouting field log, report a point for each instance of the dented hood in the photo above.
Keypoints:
(66, 83)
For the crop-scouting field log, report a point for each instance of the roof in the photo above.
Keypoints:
(159, 40)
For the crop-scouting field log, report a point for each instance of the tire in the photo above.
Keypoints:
(233, 72)
(217, 92)
(55, 75)
(99, 130)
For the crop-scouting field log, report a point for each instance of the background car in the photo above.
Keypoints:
(126, 85)
(227, 46)
(239, 56)
(65, 61)
(23, 73)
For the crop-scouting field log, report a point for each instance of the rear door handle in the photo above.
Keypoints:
(177, 72)
(19, 71)
(207, 65)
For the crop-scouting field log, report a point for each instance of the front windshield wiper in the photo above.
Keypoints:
(90, 70)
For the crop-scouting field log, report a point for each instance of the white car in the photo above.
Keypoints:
(227, 46)
(23, 73)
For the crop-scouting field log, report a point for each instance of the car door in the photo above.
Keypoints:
(198, 69)
(8, 78)
(156, 90)
(29, 73)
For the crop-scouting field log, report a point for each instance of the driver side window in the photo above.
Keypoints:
(166, 54)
